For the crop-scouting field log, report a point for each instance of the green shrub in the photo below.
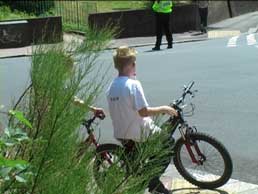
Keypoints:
(14, 172)
(57, 75)
(7, 14)
(34, 6)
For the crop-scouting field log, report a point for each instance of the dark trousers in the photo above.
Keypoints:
(162, 24)
(203, 16)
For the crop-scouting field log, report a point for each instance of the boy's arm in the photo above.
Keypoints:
(141, 105)
(153, 111)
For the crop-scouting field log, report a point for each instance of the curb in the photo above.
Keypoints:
(150, 44)
(16, 56)
(176, 183)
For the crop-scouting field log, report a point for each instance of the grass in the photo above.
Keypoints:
(75, 14)
(7, 14)
(109, 6)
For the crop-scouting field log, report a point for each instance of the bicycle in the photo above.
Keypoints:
(207, 170)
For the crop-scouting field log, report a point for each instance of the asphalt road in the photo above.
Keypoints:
(225, 71)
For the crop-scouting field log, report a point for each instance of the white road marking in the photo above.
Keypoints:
(232, 41)
(251, 39)
(252, 30)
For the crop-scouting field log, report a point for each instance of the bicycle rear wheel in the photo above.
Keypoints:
(108, 161)
(213, 166)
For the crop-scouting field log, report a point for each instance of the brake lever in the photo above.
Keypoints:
(183, 106)
(184, 87)
(193, 93)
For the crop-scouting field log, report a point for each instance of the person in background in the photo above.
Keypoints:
(163, 10)
(203, 11)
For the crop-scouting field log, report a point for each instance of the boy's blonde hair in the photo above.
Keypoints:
(124, 56)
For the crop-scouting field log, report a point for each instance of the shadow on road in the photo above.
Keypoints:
(149, 51)
(198, 191)
(197, 34)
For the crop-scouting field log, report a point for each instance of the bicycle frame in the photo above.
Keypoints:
(91, 139)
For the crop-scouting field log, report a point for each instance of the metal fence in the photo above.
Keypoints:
(74, 13)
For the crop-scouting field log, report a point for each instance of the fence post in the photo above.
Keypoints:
(78, 21)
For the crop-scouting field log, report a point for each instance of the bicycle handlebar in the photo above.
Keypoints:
(187, 90)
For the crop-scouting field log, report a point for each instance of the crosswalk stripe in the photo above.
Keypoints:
(251, 39)
(232, 41)
(252, 30)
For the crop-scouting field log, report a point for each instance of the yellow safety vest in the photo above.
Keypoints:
(163, 6)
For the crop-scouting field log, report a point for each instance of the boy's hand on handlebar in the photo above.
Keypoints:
(98, 112)
(171, 111)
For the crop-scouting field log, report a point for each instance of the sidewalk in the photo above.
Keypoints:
(173, 180)
(136, 42)
(226, 28)
(150, 41)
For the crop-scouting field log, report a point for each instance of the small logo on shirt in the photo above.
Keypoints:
(114, 99)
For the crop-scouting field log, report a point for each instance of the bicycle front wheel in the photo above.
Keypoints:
(203, 161)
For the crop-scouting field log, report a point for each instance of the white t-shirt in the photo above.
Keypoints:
(125, 98)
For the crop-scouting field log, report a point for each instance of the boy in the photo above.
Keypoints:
(129, 110)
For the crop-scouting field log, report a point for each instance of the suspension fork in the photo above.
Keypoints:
(190, 151)
(191, 145)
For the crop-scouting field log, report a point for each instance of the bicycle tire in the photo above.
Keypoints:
(112, 150)
(222, 151)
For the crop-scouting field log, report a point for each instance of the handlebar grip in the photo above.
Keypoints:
(101, 116)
